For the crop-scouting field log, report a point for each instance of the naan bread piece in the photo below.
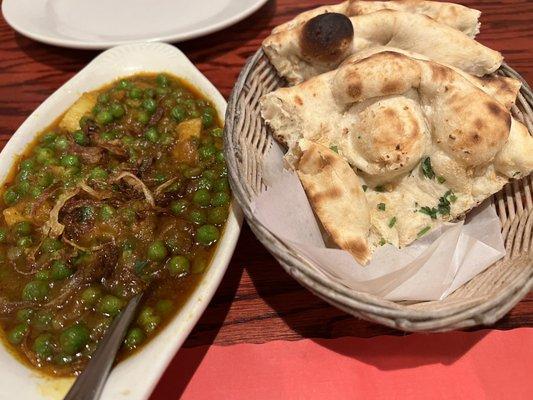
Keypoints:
(337, 198)
(456, 16)
(323, 42)
(429, 144)
(502, 88)
(309, 109)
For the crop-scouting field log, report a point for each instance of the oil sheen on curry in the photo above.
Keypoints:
(126, 193)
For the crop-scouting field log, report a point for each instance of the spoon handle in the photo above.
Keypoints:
(89, 384)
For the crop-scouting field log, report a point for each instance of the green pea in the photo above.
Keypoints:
(44, 155)
(48, 138)
(80, 138)
(42, 275)
(61, 143)
(70, 160)
(73, 339)
(197, 216)
(27, 164)
(91, 295)
(166, 139)
(128, 214)
(23, 188)
(110, 305)
(116, 110)
(220, 156)
(178, 206)
(209, 174)
(164, 307)
(42, 320)
(103, 97)
(207, 234)
(208, 116)
(107, 212)
(24, 314)
(148, 320)
(205, 183)
(59, 270)
(97, 108)
(134, 338)
(24, 242)
(35, 192)
(23, 228)
(151, 134)
(207, 151)
(98, 174)
(143, 117)
(123, 84)
(128, 140)
(108, 135)
(135, 93)
(160, 177)
(16, 334)
(220, 199)
(24, 175)
(221, 185)
(50, 245)
(162, 91)
(145, 315)
(157, 251)
(35, 291)
(217, 215)
(104, 117)
(86, 213)
(202, 197)
(10, 196)
(3, 235)
(42, 345)
(217, 132)
(178, 266)
(149, 105)
(162, 80)
(178, 113)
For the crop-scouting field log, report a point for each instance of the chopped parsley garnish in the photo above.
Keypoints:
(382, 242)
(392, 222)
(423, 231)
(432, 212)
(381, 206)
(441, 179)
(379, 188)
(426, 168)
(442, 208)
(335, 149)
(365, 188)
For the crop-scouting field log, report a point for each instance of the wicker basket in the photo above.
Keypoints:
(482, 301)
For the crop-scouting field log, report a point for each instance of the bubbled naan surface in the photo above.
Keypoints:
(427, 143)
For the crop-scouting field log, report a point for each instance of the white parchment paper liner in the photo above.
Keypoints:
(429, 269)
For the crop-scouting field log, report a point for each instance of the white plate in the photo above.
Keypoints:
(134, 378)
(100, 24)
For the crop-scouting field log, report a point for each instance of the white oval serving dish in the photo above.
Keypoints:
(100, 24)
(135, 377)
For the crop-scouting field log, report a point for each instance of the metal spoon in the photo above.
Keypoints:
(90, 383)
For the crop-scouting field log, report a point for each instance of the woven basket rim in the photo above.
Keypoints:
(351, 300)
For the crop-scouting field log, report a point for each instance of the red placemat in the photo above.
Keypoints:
(457, 365)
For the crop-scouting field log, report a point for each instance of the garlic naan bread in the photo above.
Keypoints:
(323, 42)
(462, 18)
(427, 143)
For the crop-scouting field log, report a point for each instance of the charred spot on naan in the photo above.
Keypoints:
(327, 37)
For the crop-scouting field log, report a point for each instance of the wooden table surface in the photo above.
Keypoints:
(257, 301)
